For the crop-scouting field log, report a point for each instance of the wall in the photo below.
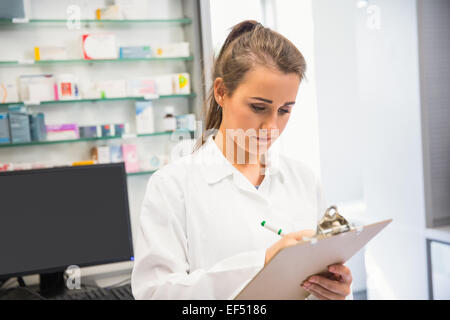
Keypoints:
(300, 139)
(368, 94)
(388, 77)
(339, 109)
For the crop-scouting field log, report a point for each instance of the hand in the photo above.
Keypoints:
(286, 241)
(337, 287)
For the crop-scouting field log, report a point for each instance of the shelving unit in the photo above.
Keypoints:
(49, 62)
(129, 136)
(140, 173)
(191, 95)
(168, 21)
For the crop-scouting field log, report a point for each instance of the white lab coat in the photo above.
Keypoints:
(200, 234)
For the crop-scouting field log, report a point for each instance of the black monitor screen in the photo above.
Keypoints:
(53, 218)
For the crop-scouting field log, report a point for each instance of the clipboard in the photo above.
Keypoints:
(281, 278)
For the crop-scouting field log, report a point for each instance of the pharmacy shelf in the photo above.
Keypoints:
(31, 62)
(38, 143)
(139, 173)
(130, 174)
(32, 22)
(30, 103)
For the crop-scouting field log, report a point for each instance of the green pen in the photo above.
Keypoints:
(272, 228)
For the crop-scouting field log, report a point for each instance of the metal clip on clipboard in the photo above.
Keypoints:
(332, 224)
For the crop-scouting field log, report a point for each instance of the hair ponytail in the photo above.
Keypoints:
(238, 30)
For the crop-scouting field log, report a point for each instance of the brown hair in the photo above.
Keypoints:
(248, 44)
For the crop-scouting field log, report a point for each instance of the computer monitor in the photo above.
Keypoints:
(54, 218)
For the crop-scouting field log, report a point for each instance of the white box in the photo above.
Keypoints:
(99, 46)
(144, 117)
(141, 87)
(164, 85)
(171, 50)
(109, 13)
(8, 92)
(101, 154)
(50, 53)
(37, 87)
(186, 121)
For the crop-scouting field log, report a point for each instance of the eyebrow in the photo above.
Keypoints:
(270, 101)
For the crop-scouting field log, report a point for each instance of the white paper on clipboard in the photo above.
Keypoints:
(282, 277)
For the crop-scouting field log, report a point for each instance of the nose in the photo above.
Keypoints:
(270, 125)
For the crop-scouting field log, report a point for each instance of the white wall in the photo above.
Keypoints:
(300, 139)
(388, 76)
(340, 113)
(367, 75)
(226, 14)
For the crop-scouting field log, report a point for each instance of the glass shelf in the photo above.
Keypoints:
(139, 173)
(190, 95)
(69, 61)
(108, 21)
(38, 143)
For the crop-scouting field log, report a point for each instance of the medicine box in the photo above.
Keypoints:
(19, 124)
(62, 132)
(101, 154)
(129, 152)
(115, 152)
(135, 52)
(144, 117)
(4, 129)
(99, 46)
(90, 131)
(37, 127)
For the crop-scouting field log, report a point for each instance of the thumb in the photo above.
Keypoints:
(298, 235)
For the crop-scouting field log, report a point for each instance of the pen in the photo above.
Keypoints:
(272, 228)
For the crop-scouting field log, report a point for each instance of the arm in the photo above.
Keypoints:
(161, 269)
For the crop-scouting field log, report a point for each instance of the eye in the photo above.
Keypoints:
(257, 108)
(283, 111)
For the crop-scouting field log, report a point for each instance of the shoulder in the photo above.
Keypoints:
(298, 170)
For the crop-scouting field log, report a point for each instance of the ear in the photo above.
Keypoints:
(219, 91)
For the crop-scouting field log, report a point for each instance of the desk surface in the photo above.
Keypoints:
(439, 233)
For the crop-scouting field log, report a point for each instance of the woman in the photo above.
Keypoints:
(200, 231)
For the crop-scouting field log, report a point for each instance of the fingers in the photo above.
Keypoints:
(323, 293)
(298, 235)
(323, 287)
(343, 271)
(287, 241)
(318, 295)
(339, 288)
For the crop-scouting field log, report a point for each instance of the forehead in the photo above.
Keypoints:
(270, 83)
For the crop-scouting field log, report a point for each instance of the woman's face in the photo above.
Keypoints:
(260, 107)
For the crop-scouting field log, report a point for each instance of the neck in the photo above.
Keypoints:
(236, 154)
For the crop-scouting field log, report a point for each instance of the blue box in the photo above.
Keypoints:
(88, 132)
(37, 127)
(119, 129)
(4, 129)
(135, 52)
(115, 153)
(107, 131)
(19, 125)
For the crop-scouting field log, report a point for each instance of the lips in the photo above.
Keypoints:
(263, 139)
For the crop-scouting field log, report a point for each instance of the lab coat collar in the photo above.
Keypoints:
(218, 167)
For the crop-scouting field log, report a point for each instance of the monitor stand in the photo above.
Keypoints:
(51, 284)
